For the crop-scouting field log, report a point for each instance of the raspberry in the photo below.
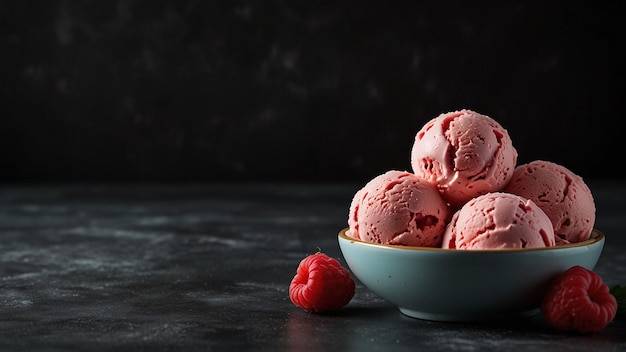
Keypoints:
(321, 284)
(578, 300)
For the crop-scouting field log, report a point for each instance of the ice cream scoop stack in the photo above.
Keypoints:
(466, 191)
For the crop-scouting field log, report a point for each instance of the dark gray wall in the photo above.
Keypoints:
(297, 90)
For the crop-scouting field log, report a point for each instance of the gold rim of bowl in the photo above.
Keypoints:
(596, 236)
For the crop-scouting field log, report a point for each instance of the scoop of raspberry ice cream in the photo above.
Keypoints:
(464, 154)
(499, 220)
(561, 194)
(398, 208)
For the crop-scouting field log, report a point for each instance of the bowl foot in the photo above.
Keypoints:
(468, 317)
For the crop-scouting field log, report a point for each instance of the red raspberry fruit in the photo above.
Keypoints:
(578, 300)
(321, 284)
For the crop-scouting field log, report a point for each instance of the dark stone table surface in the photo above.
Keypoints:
(207, 267)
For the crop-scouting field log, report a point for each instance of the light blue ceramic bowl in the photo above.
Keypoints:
(461, 285)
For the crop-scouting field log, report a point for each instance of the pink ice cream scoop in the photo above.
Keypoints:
(499, 220)
(398, 208)
(562, 195)
(464, 154)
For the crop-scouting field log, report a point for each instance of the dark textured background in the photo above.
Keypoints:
(297, 90)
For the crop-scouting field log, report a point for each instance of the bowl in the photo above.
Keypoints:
(464, 285)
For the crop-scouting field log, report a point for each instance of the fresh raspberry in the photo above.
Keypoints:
(321, 284)
(578, 300)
